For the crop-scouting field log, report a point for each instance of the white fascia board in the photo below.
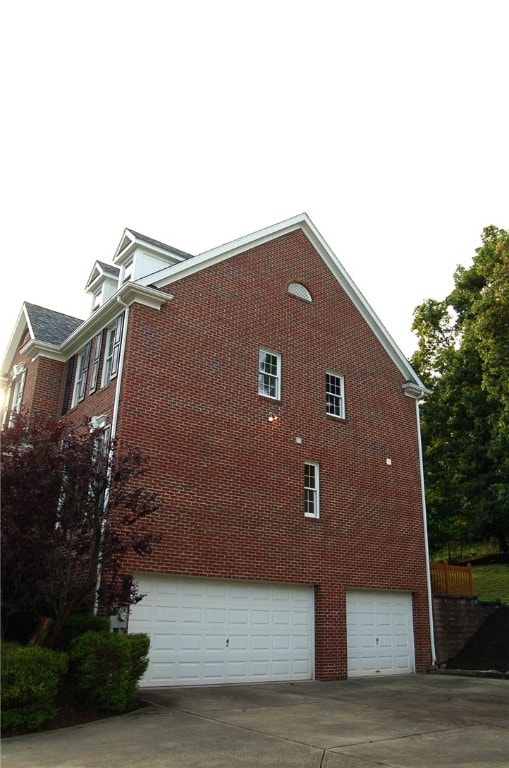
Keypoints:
(34, 349)
(365, 309)
(194, 264)
(123, 254)
(126, 241)
(130, 293)
(93, 276)
(303, 222)
(15, 339)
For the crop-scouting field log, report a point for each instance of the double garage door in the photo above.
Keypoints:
(379, 633)
(210, 631)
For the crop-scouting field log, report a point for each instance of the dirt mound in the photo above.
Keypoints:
(488, 648)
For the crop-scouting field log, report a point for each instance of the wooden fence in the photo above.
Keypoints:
(452, 580)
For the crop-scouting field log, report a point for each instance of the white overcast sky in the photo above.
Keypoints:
(199, 121)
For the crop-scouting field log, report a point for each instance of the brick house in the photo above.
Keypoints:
(282, 426)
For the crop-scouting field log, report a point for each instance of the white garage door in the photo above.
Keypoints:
(205, 631)
(379, 633)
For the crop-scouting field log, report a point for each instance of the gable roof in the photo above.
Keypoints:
(45, 326)
(54, 328)
(413, 385)
(49, 326)
(99, 269)
(131, 238)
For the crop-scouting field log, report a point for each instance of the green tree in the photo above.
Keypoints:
(73, 507)
(462, 356)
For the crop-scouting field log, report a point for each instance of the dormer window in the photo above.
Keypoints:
(128, 271)
(97, 299)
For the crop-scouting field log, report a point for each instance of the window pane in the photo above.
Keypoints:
(311, 490)
(334, 395)
(268, 373)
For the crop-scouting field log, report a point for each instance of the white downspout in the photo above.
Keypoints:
(425, 523)
(114, 420)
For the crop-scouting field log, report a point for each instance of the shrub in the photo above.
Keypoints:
(77, 625)
(106, 668)
(30, 678)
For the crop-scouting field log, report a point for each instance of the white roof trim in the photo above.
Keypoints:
(130, 293)
(130, 242)
(194, 264)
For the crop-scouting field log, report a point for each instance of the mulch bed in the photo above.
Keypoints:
(488, 648)
(71, 712)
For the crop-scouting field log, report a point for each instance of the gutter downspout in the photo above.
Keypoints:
(425, 522)
(120, 371)
(114, 420)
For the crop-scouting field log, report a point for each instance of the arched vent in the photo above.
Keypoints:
(299, 290)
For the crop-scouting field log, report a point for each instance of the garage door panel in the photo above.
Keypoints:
(379, 633)
(205, 630)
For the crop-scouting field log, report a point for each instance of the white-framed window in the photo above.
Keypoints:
(80, 382)
(98, 295)
(311, 489)
(299, 290)
(15, 396)
(269, 373)
(335, 395)
(113, 345)
(128, 271)
(95, 362)
(103, 436)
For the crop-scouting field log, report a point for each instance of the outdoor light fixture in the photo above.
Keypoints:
(272, 417)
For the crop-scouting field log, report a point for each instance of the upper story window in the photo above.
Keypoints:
(335, 395)
(299, 290)
(98, 295)
(269, 373)
(95, 361)
(128, 271)
(311, 489)
(112, 356)
(80, 382)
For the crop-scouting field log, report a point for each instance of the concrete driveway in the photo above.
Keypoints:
(411, 721)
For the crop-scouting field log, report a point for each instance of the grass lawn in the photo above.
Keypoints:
(492, 581)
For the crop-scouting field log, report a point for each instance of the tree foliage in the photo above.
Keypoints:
(462, 356)
(73, 507)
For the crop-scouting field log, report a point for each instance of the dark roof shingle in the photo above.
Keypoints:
(49, 326)
(158, 243)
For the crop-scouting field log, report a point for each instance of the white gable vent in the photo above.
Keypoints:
(299, 290)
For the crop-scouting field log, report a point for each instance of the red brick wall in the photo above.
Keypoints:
(231, 484)
(44, 382)
(48, 377)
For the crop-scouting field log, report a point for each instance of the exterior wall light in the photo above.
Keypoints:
(272, 417)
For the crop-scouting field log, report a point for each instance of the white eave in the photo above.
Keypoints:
(194, 264)
(128, 294)
(98, 275)
(16, 336)
(130, 241)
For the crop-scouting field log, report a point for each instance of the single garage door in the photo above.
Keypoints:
(379, 633)
(205, 631)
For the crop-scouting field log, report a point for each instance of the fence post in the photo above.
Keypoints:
(470, 578)
(447, 578)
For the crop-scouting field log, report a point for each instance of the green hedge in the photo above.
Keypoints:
(78, 624)
(106, 669)
(30, 679)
